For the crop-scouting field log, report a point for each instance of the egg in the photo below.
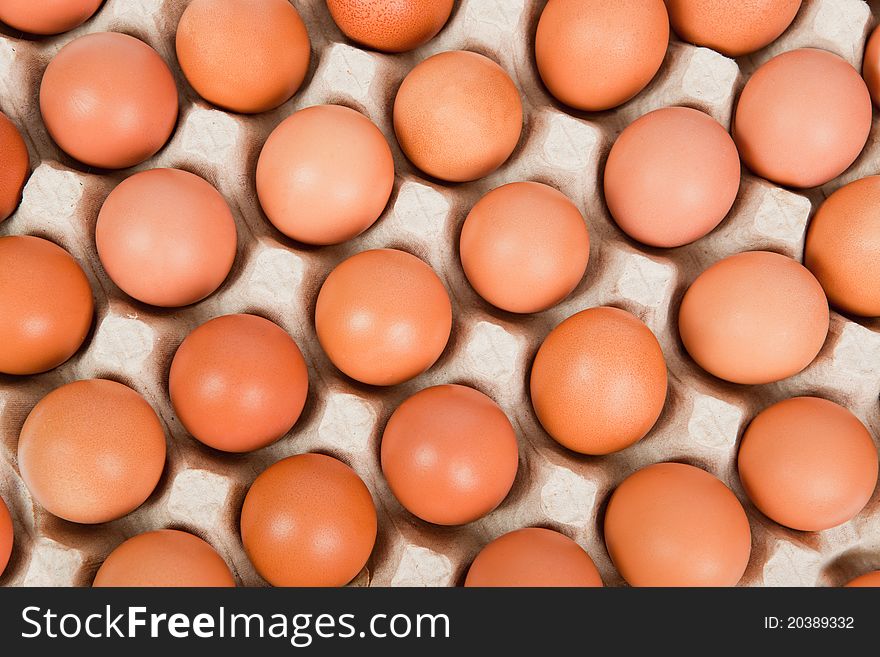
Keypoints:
(325, 175)
(598, 382)
(91, 451)
(731, 28)
(808, 463)
(871, 579)
(594, 55)
(533, 557)
(390, 25)
(457, 116)
(16, 166)
(47, 305)
(802, 118)
(308, 520)
(871, 66)
(383, 317)
(524, 247)
(108, 100)
(671, 177)
(672, 524)
(238, 383)
(6, 536)
(843, 240)
(754, 317)
(166, 557)
(47, 16)
(243, 55)
(166, 237)
(449, 454)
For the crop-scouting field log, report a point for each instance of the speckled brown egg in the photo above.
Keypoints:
(843, 243)
(166, 557)
(871, 579)
(449, 454)
(238, 382)
(6, 536)
(390, 25)
(808, 463)
(383, 316)
(108, 100)
(91, 451)
(47, 16)
(871, 66)
(308, 520)
(243, 55)
(457, 116)
(672, 524)
(594, 55)
(598, 383)
(533, 557)
(15, 169)
(47, 305)
(802, 118)
(754, 317)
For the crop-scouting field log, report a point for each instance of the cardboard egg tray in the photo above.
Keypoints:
(202, 490)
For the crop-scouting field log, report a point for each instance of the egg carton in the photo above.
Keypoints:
(202, 490)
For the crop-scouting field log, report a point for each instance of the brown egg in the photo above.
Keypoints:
(166, 237)
(47, 16)
(671, 524)
(754, 317)
(598, 383)
(243, 55)
(308, 520)
(15, 169)
(390, 25)
(457, 116)
(449, 454)
(6, 536)
(91, 451)
(867, 580)
(108, 100)
(166, 557)
(843, 241)
(871, 66)
(533, 557)
(524, 247)
(671, 177)
(383, 317)
(808, 463)
(594, 55)
(238, 383)
(325, 174)
(731, 28)
(47, 305)
(802, 118)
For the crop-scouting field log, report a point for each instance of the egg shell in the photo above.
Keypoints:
(871, 579)
(308, 520)
(871, 66)
(6, 536)
(46, 17)
(390, 25)
(15, 169)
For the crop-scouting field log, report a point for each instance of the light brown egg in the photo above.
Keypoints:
(671, 524)
(524, 247)
(732, 28)
(308, 520)
(458, 116)
(808, 463)
(598, 383)
(390, 25)
(754, 317)
(325, 174)
(802, 118)
(843, 243)
(15, 169)
(243, 55)
(671, 177)
(166, 557)
(166, 237)
(871, 66)
(238, 383)
(47, 305)
(449, 454)
(108, 100)
(91, 451)
(594, 55)
(383, 317)
(6, 536)
(871, 579)
(47, 16)
(533, 557)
